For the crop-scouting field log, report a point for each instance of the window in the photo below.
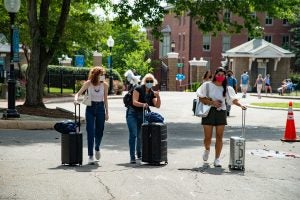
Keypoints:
(206, 42)
(226, 40)
(262, 68)
(165, 45)
(253, 14)
(269, 20)
(285, 22)
(268, 38)
(285, 41)
(226, 16)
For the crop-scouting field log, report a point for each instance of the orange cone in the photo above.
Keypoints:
(290, 129)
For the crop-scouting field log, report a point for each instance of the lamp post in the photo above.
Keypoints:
(172, 46)
(12, 7)
(110, 44)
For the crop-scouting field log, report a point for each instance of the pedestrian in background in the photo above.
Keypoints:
(267, 81)
(143, 97)
(207, 76)
(244, 83)
(232, 82)
(97, 112)
(218, 93)
(259, 84)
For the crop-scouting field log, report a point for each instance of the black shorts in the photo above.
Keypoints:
(215, 117)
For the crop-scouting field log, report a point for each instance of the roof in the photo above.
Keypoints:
(258, 48)
(5, 48)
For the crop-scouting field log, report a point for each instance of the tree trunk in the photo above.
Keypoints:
(41, 52)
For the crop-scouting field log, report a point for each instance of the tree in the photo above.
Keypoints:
(207, 14)
(47, 24)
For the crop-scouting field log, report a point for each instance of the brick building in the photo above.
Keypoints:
(191, 43)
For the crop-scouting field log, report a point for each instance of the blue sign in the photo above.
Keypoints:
(16, 44)
(180, 77)
(79, 60)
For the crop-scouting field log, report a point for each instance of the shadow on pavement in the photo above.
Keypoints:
(180, 135)
(207, 169)
(78, 168)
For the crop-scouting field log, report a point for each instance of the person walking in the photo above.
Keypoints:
(267, 81)
(97, 113)
(259, 84)
(218, 93)
(143, 97)
(207, 76)
(232, 82)
(244, 83)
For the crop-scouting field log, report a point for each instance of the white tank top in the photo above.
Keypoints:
(96, 92)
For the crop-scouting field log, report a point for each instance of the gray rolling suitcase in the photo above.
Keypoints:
(237, 148)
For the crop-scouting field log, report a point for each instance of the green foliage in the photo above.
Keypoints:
(195, 86)
(295, 78)
(208, 15)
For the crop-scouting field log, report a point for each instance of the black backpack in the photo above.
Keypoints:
(127, 99)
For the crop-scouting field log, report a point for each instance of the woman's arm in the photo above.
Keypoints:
(105, 100)
(156, 101)
(237, 103)
(135, 100)
(84, 87)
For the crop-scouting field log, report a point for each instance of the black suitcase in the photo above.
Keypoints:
(71, 144)
(154, 143)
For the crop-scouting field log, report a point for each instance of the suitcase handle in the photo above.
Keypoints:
(241, 153)
(243, 123)
(77, 119)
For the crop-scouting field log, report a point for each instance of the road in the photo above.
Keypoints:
(30, 160)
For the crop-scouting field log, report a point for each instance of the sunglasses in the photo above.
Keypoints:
(149, 81)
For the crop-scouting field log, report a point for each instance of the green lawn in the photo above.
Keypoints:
(57, 90)
(276, 105)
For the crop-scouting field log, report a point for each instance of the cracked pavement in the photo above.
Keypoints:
(30, 166)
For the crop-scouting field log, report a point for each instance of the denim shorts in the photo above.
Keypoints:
(215, 117)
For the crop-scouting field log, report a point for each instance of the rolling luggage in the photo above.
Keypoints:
(237, 148)
(154, 143)
(71, 143)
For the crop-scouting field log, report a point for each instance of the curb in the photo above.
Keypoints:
(26, 124)
(271, 108)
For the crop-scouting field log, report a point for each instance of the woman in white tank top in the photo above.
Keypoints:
(97, 113)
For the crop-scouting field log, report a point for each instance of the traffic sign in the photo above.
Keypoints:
(180, 77)
(179, 64)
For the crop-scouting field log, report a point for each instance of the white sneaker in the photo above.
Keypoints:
(138, 161)
(217, 163)
(205, 155)
(91, 160)
(98, 155)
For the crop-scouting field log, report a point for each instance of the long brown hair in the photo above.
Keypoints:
(94, 74)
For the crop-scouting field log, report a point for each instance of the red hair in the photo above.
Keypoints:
(94, 74)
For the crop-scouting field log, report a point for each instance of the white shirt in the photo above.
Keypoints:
(96, 92)
(216, 93)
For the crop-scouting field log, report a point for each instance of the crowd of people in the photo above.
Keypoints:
(218, 89)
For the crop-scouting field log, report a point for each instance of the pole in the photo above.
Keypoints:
(11, 111)
(110, 73)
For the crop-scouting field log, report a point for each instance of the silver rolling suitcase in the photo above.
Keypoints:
(237, 148)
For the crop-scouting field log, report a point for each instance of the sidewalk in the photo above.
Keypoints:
(30, 122)
(39, 123)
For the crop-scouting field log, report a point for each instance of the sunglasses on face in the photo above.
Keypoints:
(149, 81)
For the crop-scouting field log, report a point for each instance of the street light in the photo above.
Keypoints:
(172, 46)
(12, 7)
(110, 44)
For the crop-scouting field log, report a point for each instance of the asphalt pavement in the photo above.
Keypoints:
(30, 165)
